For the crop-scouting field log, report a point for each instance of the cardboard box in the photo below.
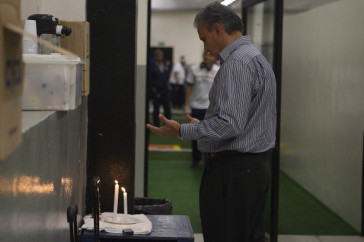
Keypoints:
(79, 43)
(11, 78)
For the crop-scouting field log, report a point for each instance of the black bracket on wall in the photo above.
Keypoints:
(96, 205)
(72, 212)
(362, 193)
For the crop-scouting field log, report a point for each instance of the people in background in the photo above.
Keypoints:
(177, 81)
(237, 133)
(199, 82)
(186, 67)
(160, 72)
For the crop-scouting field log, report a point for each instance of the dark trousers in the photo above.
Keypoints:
(178, 95)
(161, 97)
(233, 193)
(196, 154)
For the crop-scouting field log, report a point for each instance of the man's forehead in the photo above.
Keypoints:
(201, 26)
(201, 30)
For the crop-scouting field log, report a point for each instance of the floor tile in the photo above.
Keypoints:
(306, 238)
(198, 237)
(341, 239)
(297, 238)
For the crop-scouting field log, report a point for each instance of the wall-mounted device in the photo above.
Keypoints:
(49, 28)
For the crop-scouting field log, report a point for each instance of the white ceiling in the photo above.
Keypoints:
(303, 5)
(192, 5)
(185, 5)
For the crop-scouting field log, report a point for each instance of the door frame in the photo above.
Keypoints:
(277, 68)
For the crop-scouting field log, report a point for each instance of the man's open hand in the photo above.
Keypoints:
(170, 127)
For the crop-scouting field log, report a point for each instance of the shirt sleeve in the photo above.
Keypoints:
(230, 99)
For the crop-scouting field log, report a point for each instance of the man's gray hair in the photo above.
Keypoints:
(217, 13)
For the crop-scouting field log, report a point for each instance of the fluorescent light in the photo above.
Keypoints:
(227, 2)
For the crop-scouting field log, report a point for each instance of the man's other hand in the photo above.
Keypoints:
(192, 120)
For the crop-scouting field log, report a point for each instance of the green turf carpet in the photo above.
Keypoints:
(170, 176)
(301, 213)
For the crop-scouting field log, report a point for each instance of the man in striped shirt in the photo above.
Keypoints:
(237, 132)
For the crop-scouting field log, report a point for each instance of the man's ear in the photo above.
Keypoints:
(219, 30)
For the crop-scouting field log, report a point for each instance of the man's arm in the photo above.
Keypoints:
(190, 81)
(176, 77)
(187, 98)
(229, 105)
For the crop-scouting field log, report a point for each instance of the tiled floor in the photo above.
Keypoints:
(306, 238)
(198, 238)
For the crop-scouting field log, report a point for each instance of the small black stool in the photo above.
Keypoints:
(96, 206)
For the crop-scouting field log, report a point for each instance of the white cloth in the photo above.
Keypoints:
(142, 227)
(180, 71)
(202, 80)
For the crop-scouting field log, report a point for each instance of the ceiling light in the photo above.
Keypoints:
(227, 2)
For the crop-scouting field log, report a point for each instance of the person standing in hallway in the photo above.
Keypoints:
(237, 133)
(177, 81)
(199, 82)
(160, 71)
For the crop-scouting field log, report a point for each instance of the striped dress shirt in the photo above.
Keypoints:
(242, 111)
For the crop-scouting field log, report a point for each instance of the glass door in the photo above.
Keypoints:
(262, 21)
(260, 26)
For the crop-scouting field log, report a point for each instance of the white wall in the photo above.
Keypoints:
(176, 30)
(322, 104)
(141, 33)
(71, 10)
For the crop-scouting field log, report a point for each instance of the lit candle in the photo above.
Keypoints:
(116, 198)
(125, 195)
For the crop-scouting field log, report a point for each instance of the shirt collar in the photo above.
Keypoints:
(224, 54)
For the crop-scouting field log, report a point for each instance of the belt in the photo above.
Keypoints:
(211, 155)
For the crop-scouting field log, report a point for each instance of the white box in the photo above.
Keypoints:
(52, 82)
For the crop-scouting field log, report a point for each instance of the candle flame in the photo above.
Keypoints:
(122, 188)
(116, 182)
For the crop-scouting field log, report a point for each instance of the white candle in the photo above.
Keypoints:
(125, 195)
(116, 198)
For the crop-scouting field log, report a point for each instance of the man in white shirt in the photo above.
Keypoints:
(177, 82)
(199, 81)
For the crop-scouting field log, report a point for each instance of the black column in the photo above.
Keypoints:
(111, 103)
(277, 68)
